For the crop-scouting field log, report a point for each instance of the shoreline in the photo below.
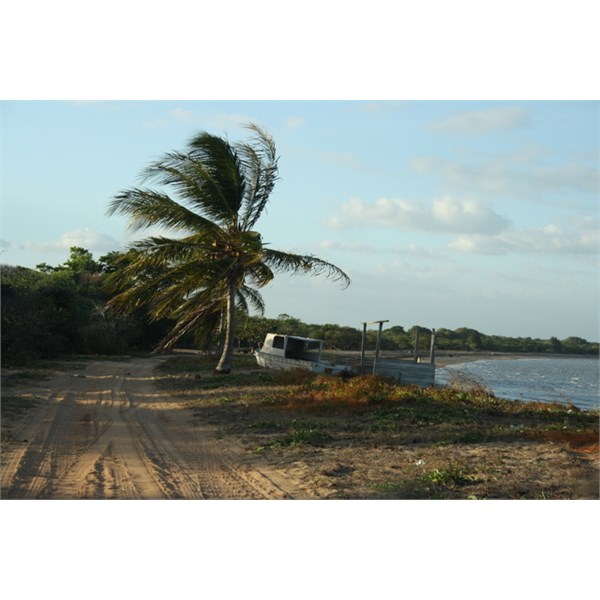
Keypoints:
(517, 388)
(446, 358)
(455, 358)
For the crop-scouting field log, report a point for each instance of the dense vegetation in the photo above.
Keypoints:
(397, 337)
(49, 311)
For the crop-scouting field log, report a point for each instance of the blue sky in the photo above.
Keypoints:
(444, 213)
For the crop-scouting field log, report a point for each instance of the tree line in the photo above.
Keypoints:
(59, 310)
(396, 338)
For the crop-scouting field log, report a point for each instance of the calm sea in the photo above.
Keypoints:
(564, 380)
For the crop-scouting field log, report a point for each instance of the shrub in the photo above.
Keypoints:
(365, 389)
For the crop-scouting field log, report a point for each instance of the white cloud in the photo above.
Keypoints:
(175, 114)
(223, 121)
(484, 121)
(347, 246)
(294, 122)
(417, 251)
(444, 214)
(349, 161)
(498, 177)
(86, 238)
(226, 120)
(182, 114)
(90, 239)
(586, 222)
(156, 124)
(551, 239)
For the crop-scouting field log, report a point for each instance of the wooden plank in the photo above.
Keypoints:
(422, 374)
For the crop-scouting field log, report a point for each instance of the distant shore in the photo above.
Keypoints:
(445, 358)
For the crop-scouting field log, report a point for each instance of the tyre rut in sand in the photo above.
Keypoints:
(108, 433)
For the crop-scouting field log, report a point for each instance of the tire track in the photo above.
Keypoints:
(115, 464)
(38, 465)
(109, 433)
(172, 477)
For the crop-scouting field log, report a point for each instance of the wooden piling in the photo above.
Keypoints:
(416, 349)
(378, 345)
(362, 348)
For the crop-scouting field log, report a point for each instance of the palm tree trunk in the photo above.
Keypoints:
(225, 361)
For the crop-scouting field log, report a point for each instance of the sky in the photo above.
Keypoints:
(452, 175)
(479, 214)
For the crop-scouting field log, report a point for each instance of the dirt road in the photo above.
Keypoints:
(107, 431)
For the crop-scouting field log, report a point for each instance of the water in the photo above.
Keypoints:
(564, 380)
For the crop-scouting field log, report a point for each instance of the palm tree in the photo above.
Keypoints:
(213, 261)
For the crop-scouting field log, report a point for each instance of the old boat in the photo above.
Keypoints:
(292, 352)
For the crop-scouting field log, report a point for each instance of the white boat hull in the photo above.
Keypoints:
(271, 361)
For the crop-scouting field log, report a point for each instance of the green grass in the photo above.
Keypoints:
(440, 483)
(295, 433)
(265, 426)
(449, 476)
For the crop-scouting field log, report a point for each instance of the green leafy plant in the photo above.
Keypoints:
(449, 476)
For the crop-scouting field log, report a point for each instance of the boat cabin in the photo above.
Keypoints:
(292, 347)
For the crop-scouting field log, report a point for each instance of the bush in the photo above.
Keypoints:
(328, 389)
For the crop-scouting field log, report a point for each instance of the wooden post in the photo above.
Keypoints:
(362, 348)
(364, 336)
(431, 348)
(416, 350)
(378, 345)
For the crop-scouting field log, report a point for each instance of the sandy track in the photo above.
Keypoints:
(107, 432)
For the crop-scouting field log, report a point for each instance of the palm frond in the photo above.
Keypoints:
(259, 161)
(304, 263)
(215, 158)
(166, 287)
(147, 207)
(192, 181)
(162, 250)
(260, 274)
(197, 183)
(204, 320)
(249, 297)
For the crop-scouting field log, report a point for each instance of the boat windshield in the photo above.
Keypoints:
(303, 349)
